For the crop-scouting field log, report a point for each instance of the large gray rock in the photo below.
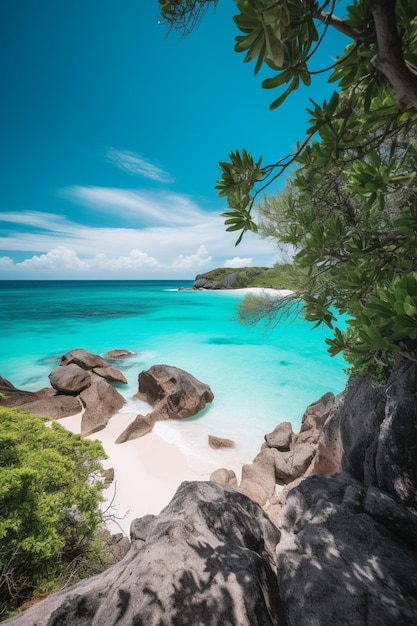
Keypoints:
(101, 402)
(396, 455)
(347, 555)
(378, 432)
(258, 478)
(70, 380)
(294, 463)
(172, 392)
(43, 402)
(205, 283)
(281, 437)
(83, 358)
(110, 373)
(207, 559)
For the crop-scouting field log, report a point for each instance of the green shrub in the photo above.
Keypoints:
(50, 491)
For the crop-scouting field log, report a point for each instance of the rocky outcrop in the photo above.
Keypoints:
(347, 555)
(43, 402)
(208, 558)
(286, 457)
(348, 549)
(173, 394)
(85, 374)
(70, 380)
(84, 359)
(80, 382)
(230, 281)
(357, 528)
(101, 402)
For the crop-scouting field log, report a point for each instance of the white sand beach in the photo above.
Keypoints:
(257, 291)
(147, 471)
(264, 291)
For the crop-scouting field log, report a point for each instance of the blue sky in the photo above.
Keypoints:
(111, 133)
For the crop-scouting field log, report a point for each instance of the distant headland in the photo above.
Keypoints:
(284, 276)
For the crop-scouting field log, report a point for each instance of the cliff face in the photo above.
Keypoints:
(346, 547)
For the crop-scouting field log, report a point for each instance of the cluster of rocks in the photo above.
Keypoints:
(343, 549)
(228, 282)
(84, 382)
(284, 459)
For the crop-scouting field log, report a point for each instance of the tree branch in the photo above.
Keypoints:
(342, 26)
(390, 59)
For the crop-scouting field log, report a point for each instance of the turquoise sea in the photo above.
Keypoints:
(259, 376)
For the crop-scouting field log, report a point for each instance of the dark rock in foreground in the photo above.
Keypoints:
(206, 559)
(347, 555)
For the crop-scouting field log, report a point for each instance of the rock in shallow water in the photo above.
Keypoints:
(172, 392)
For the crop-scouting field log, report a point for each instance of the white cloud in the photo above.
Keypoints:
(137, 165)
(194, 261)
(59, 258)
(36, 219)
(138, 205)
(238, 261)
(6, 262)
(173, 238)
(134, 260)
(65, 259)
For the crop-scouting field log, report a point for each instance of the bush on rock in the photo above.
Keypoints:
(50, 490)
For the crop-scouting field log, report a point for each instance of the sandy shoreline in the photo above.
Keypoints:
(147, 471)
(264, 291)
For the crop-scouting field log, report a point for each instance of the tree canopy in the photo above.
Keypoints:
(50, 490)
(349, 209)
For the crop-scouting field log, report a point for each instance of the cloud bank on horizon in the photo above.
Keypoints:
(123, 233)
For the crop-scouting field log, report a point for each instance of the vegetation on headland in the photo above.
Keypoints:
(285, 276)
(50, 492)
(350, 207)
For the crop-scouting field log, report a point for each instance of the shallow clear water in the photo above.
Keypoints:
(259, 377)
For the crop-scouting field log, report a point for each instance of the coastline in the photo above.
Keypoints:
(265, 291)
(147, 471)
(257, 291)
(257, 378)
